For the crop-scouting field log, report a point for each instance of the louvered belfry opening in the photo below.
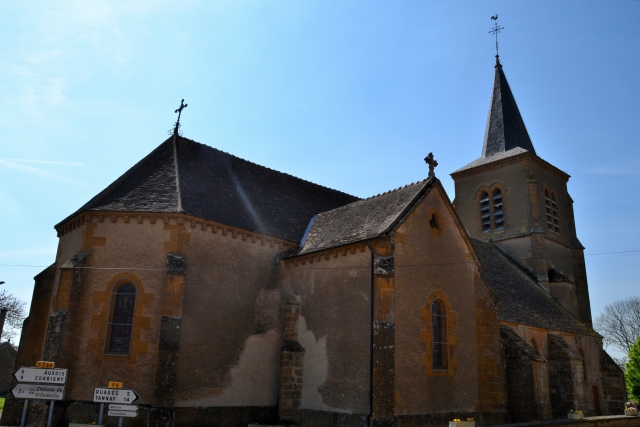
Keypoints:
(485, 213)
(551, 202)
(498, 213)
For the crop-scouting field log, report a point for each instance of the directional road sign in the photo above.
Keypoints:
(114, 395)
(113, 407)
(35, 375)
(38, 391)
(122, 413)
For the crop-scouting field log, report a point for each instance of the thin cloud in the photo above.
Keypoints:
(49, 162)
(36, 171)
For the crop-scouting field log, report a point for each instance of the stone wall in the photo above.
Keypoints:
(333, 327)
(528, 389)
(566, 378)
(614, 391)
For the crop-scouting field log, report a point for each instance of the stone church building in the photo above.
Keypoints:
(226, 293)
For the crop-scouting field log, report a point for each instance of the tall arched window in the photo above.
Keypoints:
(485, 213)
(123, 303)
(498, 214)
(439, 346)
(551, 203)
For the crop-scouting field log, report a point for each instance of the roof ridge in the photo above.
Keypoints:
(373, 197)
(392, 190)
(268, 168)
(177, 169)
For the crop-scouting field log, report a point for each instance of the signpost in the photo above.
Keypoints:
(35, 375)
(119, 399)
(114, 395)
(38, 391)
(44, 375)
(123, 410)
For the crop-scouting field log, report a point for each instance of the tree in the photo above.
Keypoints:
(16, 312)
(632, 375)
(619, 323)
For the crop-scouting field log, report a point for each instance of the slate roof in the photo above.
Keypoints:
(520, 299)
(505, 134)
(217, 186)
(505, 127)
(363, 219)
(498, 156)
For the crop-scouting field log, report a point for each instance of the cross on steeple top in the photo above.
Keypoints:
(179, 111)
(432, 164)
(496, 30)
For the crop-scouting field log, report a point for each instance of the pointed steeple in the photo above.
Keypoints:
(505, 127)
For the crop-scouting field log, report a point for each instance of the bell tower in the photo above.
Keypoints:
(514, 198)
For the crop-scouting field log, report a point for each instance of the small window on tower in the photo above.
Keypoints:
(551, 203)
(498, 214)
(485, 213)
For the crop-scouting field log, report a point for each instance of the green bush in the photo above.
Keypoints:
(1, 402)
(632, 375)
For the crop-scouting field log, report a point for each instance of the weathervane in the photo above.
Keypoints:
(176, 129)
(432, 164)
(496, 30)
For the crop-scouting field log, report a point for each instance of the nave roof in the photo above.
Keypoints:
(198, 180)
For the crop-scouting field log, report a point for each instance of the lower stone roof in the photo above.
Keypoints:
(520, 298)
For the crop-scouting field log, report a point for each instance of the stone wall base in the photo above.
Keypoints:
(314, 418)
(442, 420)
(607, 421)
(87, 413)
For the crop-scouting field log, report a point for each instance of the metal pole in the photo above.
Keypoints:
(120, 422)
(50, 413)
(101, 412)
(23, 421)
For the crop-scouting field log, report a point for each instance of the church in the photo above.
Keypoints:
(226, 293)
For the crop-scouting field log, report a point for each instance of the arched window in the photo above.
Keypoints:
(498, 215)
(485, 213)
(123, 303)
(551, 203)
(439, 346)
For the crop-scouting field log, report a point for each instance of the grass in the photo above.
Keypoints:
(1, 402)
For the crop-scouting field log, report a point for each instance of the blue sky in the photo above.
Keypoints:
(348, 94)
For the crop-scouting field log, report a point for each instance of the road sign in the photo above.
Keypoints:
(114, 395)
(45, 365)
(38, 391)
(115, 384)
(122, 413)
(35, 375)
(113, 407)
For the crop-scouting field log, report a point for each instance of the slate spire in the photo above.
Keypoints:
(505, 127)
